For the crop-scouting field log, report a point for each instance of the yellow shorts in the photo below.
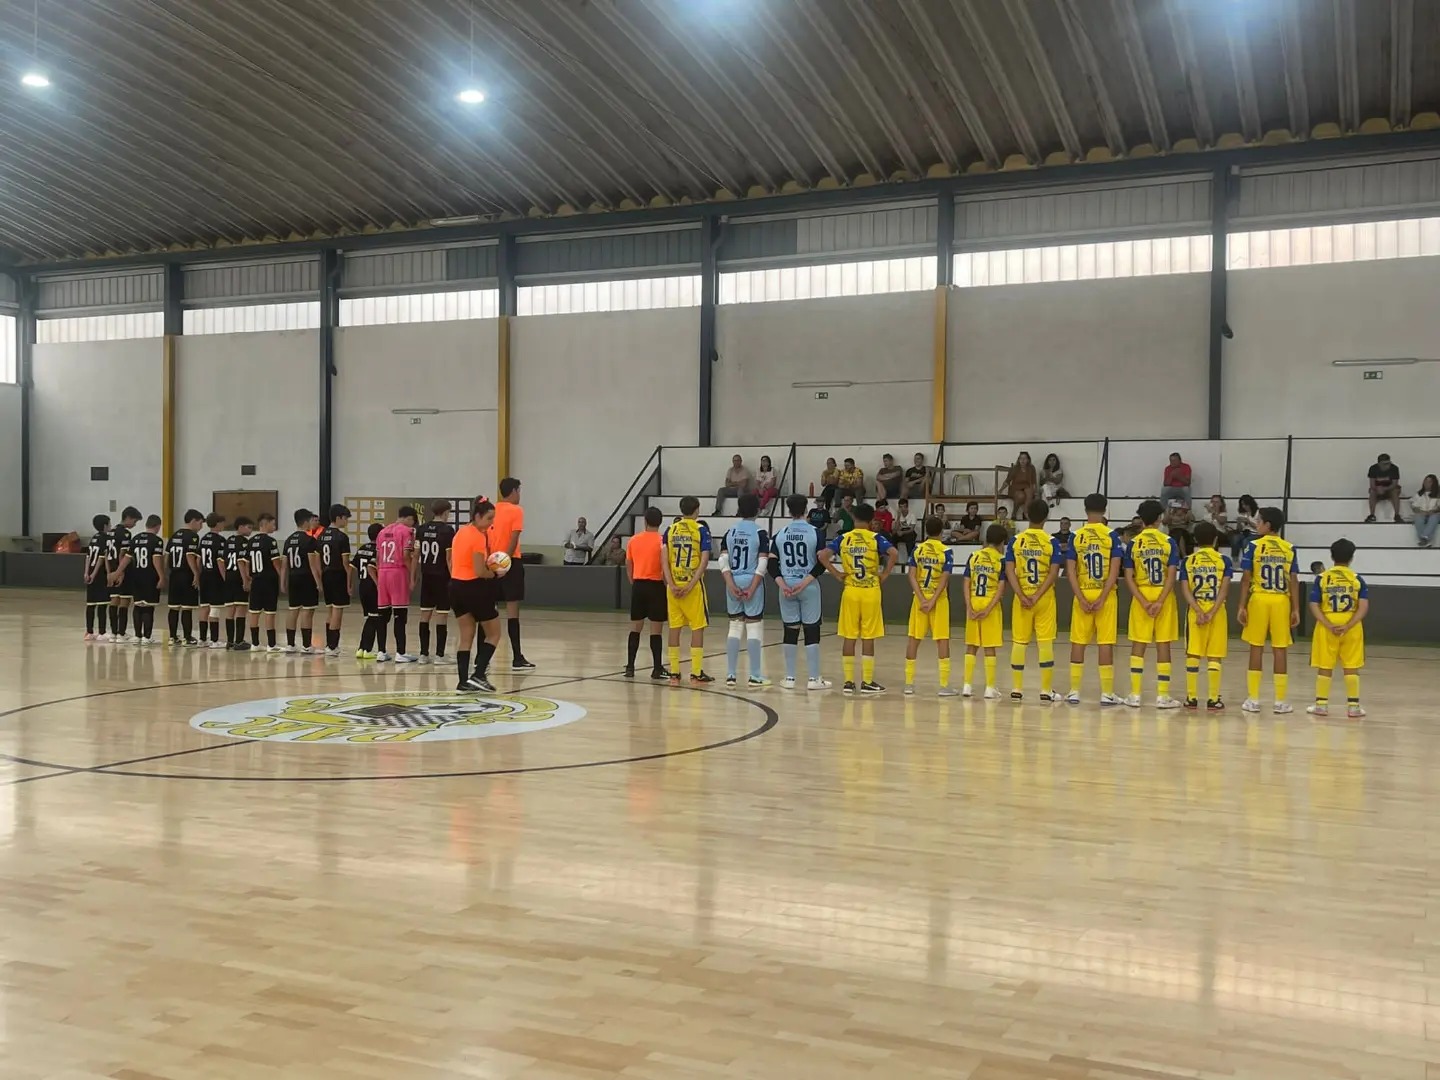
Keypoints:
(1212, 640)
(1347, 651)
(935, 622)
(1095, 627)
(1037, 622)
(986, 633)
(688, 610)
(1145, 628)
(1268, 615)
(860, 617)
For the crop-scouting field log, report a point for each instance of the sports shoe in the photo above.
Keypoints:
(219, 645)
(1109, 700)
(1215, 705)
(787, 683)
(1283, 707)
(1369, 519)
(1250, 705)
(871, 688)
(757, 682)
(383, 658)
(475, 684)
(423, 658)
(967, 690)
(1049, 697)
(404, 658)
(1354, 712)
(659, 674)
(991, 694)
(1017, 695)
(306, 650)
(909, 690)
(274, 649)
(818, 683)
(1191, 704)
(1072, 698)
(333, 653)
(129, 639)
(848, 688)
(89, 637)
(361, 654)
(241, 646)
(109, 639)
(701, 678)
(1318, 710)
(629, 672)
(1166, 703)
(173, 643)
(192, 643)
(673, 677)
(286, 648)
(521, 664)
(1133, 701)
(730, 682)
(948, 691)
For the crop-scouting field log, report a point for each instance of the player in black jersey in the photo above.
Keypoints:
(142, 564)
(182, 566)
(120, 589)
(432, 541)
(375, 626)
(212, 579)
(301, 579)
(266, 577)
(334, 545)
(237, 584)
(97, 592)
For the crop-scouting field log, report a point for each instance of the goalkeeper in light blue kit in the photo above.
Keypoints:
(743, 553)
(795, 549)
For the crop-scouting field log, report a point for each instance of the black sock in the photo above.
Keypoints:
(114, 619)
(255, 635)
(204, 631)
(332, 637)
(632, 648)
(655, 650)
(307, 636)
(143, 621)
(214, 630)
(270, 636)
(90, 619)
(483, 652)
(173, 618)
(187, 623)
(462, 665)
(382, 629)
(122, 619)
(424, 639)
(102, 612)
(513, 626)
(402, 617)
(290, 635)
(441, 632)
(232, 630)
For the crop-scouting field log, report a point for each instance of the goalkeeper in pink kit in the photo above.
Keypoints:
(395, 576)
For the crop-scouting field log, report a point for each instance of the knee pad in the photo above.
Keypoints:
(812, 633)
(792, 633)
(737, 629)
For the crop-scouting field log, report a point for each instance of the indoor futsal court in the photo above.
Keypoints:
(639, 881)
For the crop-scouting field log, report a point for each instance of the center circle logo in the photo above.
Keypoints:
(400, 716)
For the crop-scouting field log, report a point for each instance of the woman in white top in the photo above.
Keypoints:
(1426, 504)
(766, 481)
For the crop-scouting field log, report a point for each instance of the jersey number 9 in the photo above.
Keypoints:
(1032, 571)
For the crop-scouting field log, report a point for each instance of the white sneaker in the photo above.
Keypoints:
(288, 648)
(1283, 707)
(444, 661)
(909, 690)
(758, 682)
(1072, 698)
(129, 639)
(332, 653)
(404, 658)
(1166, 703)
(1250, 705)
(967, 690)
(423, 658)
(1111, 699)
(787, 683)
(1133, 701)
(991, 694)
(948, 691)
(109, 639)
(1049, 697)
(1354, 712)
(274, 648)
(217, 644)
(383, 658)
(818, 683)
(1318, 710)
(306, 650)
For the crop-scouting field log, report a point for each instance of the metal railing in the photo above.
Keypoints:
(788, 471)
(625, 508)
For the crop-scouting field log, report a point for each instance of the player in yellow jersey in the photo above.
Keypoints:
(930, 569)
(984, 617)
(1205, 585)
(1032, 565)
(1150, 564)
(1269, 606)
(1339, 600)
(1092, 563)
(687, 555)
(856, 559)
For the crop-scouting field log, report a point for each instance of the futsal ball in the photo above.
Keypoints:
(499, 562)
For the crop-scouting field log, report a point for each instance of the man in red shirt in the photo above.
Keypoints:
(504, 534)
(1176, 484)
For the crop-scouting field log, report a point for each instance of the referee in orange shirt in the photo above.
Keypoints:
(648, 598)
(505, 536)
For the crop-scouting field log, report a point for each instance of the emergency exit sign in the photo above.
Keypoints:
(822, 395)
(1373, 375)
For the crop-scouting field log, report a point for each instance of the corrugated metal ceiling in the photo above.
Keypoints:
(197, 122)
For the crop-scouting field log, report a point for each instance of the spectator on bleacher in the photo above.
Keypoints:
(844, 517)
(1052, 480)
(917, 479)
(1218, 515)
(738, 481)
(612, 554)
(579, 544)
(1020, 482)
(1003, 519)
(907, 529)
(1384, 485)
(766, 481)
(829, 482)
(1065, 535)
(1176, 482)
(819, 516)
(1180, 524)
(968, 530)
(1247, 518)
(888, 479)
(1426, 504)
(852, 479)
(884, 520)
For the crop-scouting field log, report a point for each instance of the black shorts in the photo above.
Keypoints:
(512, 585)
(183, 592)
(144, 587)
(304, 593)
(336, 587)
(434, 592)
(265, 593)
(235, 589)
(97, 592)
(649, 600)
(126, 589)
(475, 598)
(213, 593)
(369, 597)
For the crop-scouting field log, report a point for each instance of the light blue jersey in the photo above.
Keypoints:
(796, 547)
(744, 544)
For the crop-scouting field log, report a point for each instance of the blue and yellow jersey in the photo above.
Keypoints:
(931, 561)
(1338, 591)
(858, 554)
(985, 571)
(1092, 548)
(686, 540)
(1150, 555)
(1272, 564)
(1033, 552)
(1205, 571)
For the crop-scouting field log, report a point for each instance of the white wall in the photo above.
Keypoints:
(1080, 360)
(247, 399)
(10, 511)
(1291, 323)
(441, 365)
(884, 342)
(94, 403)
(591, 396)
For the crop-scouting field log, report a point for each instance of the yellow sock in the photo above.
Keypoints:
(1352, 689)
(969, 668)
(945, 672)
(1107, 678)
(1282, 686)
(674, 659)
(909, 672)
(848, 663)
(1047, 665)
(1214, 680)
(1252, 685)
(989, 670)
(697, 660)
(867, 666)
(1162, 678)
(1077, 675)
(1192, 677)
(1017, 666)
(1322, 688)
(1137, 674)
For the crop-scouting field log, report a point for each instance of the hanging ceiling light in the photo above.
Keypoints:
(34, 77)
(471, 95)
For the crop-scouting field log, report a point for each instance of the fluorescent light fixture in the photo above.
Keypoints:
(470, 96)
(1388, 361)
(466, 219)
(821, 385)
(414, 412)
(36, 80)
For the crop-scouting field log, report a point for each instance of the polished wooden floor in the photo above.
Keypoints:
(695, 883)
